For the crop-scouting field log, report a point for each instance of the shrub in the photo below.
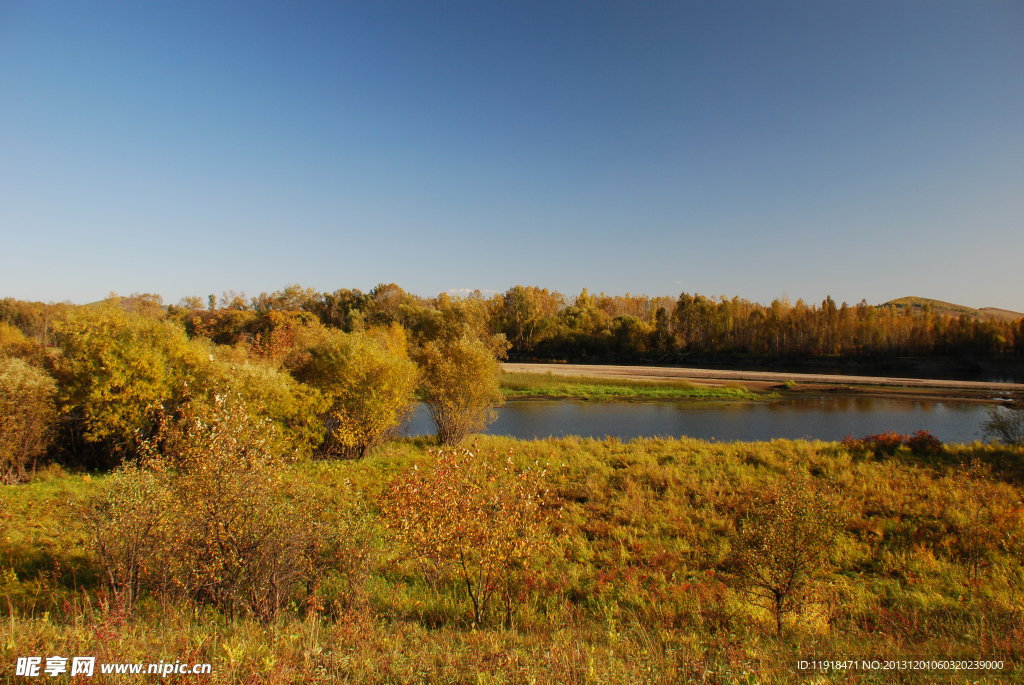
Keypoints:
(923, 442)
(125, 525)
(351, 550)
(368, 383)
(26, 417)
(1005, 424)
(973, 504)
(236, 545)
(783, 547)
(202, 515)
(461, 385)
(116, 370)
(295, 408)
(473, 518)
(13, 343)
(888, 443)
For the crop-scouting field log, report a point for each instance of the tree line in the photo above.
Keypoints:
(538, 323)
(543, 324)
(339, 371)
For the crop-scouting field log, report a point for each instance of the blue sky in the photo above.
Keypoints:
(862, 150)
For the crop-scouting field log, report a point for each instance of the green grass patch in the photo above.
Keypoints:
(593, 388)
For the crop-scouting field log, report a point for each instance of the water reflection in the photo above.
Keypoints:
(821, 419)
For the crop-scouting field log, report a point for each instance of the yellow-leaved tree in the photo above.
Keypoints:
(461, 385)
(116, 370)
(366, 378)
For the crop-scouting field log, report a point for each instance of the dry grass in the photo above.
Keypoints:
(629, 591)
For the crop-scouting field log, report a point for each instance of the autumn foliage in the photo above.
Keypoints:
(366, 379)
(461, 386)
(201, 515)
(474, 519)
(888, 443)
(784, 547)
(26, 417)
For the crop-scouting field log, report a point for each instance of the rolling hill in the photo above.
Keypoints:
(950, 309)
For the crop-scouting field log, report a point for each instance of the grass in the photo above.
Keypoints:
(548, 385)
(630, 591)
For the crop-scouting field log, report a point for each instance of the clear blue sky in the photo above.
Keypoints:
(858, 149)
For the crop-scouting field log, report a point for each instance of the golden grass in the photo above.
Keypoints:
(630, 592)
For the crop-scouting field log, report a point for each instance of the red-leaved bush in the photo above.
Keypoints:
(921, 442)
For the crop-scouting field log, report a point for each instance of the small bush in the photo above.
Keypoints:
(1005, 424)
(202, 516)
(888, 443)
(26, 417)
(236, 544)
(473, 518)
(923, 442)
(783, 547)
(124, 522)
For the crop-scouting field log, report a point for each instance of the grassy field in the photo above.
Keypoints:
(549, 385)
(928, 563)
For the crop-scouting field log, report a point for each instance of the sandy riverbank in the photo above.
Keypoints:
(807, 383)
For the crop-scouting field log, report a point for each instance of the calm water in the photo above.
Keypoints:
(824, 419)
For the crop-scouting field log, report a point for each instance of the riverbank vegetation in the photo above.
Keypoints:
(91, 386)
(595, 388)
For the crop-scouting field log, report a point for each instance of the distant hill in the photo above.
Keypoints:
(950, 309)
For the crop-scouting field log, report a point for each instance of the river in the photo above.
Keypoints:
(820, 419)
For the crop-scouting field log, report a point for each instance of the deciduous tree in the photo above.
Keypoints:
(367, 379)
(783, 547)
(474, 518)
(461, 386)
